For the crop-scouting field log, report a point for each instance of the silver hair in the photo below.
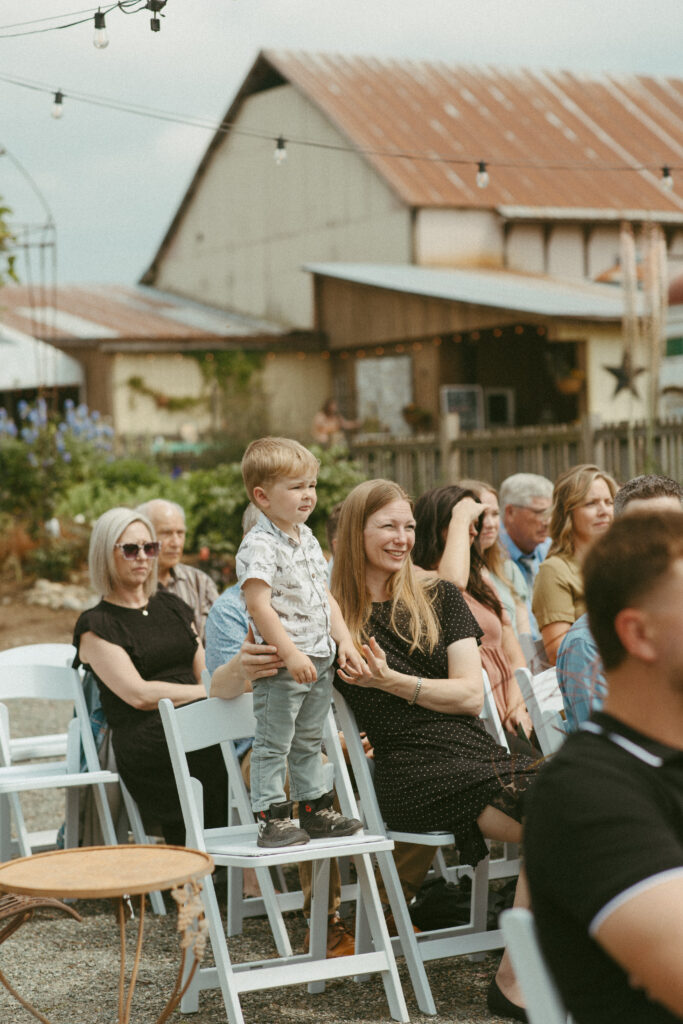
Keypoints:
(250, 517)
(522, 488)
(105, 534)
(147, 507)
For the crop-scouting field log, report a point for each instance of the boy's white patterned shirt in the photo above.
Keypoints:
(297, 576)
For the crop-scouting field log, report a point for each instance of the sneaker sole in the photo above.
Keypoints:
(277, 846)
(339, 834)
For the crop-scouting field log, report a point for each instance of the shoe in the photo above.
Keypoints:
(391, 924)
(339, 942)
(276, 828)
(500, 1005)
(321, 821)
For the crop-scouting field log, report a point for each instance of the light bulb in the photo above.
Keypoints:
(280, 154)
(100, 39)
(155, 24)
(482, 175)
(57, 107)
(667, 178)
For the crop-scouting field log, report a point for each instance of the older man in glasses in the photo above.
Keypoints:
(525, 500)
(195, 587)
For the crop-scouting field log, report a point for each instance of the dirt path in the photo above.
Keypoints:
(22, 623)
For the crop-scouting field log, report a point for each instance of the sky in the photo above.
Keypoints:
(113, 180)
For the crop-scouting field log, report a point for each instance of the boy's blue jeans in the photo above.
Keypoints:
(290, 717)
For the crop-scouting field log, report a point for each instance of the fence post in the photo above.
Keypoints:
(449, 431)
(589, 424)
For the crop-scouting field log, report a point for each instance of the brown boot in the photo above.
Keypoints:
(339, 942)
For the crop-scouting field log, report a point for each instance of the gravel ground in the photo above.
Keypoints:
(70, 970)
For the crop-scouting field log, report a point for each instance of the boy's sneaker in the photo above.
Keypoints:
(276, 828)
(321, 821)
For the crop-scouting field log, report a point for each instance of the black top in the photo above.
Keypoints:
(605, 816)
(434, 770)
(161, 645)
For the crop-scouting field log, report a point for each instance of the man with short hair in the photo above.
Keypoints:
(603, 834)
(195, 587)
(579, 669)
(525, 500)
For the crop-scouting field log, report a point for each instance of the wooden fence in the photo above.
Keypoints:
(622, 449)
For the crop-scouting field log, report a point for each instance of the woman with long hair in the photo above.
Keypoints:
(419, 701)
(499, 569)
(582, 510)
(438, 532)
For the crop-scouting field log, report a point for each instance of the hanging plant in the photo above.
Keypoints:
(171, 403)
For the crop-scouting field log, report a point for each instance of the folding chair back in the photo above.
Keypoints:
(543, 1001)
(53, 683)
(25, 748)
(543, 699)
(472, 937)
(219, 722)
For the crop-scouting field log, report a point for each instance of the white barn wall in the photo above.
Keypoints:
(525, 248)
(170, 374)
(458, 238)
(252, 224)
(292, 389)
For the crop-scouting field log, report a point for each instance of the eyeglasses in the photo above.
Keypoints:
(541, 513)
(132, 551)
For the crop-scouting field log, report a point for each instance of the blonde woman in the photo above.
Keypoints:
(582, 510)
(420, 698)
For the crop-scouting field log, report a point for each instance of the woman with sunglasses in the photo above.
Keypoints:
(142, 645)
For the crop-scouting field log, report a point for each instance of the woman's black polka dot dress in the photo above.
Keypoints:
(432, 770)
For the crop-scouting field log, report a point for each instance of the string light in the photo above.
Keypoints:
(100, 39)
(57, 106)
(155, 6)
(280, 154)
(482, 175)
(667, 178)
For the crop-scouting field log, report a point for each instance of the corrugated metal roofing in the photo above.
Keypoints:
(104, 312)
(498, 289)
(585, 124)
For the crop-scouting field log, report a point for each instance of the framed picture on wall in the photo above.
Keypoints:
(467, 400)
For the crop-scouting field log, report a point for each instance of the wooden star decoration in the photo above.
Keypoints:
(625, 375)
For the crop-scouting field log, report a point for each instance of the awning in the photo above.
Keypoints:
(27, 363)
(498, 289)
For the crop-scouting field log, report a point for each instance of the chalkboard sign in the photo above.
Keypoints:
(468, 401)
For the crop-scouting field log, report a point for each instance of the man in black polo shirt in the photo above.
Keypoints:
(604, 833)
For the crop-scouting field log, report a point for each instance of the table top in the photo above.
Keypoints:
(91, 872)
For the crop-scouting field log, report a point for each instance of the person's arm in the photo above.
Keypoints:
(348, 657)
(114, 667)
(461, 694)
(552, 636)
(257, 598)
(644, 935)
(252, 661)
(454, 564)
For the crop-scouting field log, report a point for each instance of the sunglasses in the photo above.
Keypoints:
(132, 551)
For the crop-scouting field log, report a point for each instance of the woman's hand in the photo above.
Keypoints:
(258, 661)
(516, 717)
(466, 511)
(349, 659)
(375, 671)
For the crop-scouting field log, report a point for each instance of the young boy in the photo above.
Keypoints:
(283, 575)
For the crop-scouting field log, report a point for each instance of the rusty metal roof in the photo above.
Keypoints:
(114, 317)
(591, 129)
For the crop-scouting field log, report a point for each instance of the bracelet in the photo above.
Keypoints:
(418, 687)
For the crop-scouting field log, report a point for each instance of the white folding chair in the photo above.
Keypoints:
(417, 949)
(543, 1002)
(509, 864)
(543, 699)
(213, 721)
(26, 748)
(53, 683)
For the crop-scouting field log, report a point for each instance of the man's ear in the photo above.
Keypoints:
(259, 497)
(633, 629)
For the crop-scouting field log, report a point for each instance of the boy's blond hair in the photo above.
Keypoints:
(271, 458)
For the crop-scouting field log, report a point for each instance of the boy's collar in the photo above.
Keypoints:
(264, 523)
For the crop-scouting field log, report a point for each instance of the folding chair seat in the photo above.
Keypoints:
(214, 721)
(543, 699)
(417, 949)
(49, 683)
(543, 1001)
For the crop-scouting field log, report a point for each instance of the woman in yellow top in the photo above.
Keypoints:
(582, 510)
